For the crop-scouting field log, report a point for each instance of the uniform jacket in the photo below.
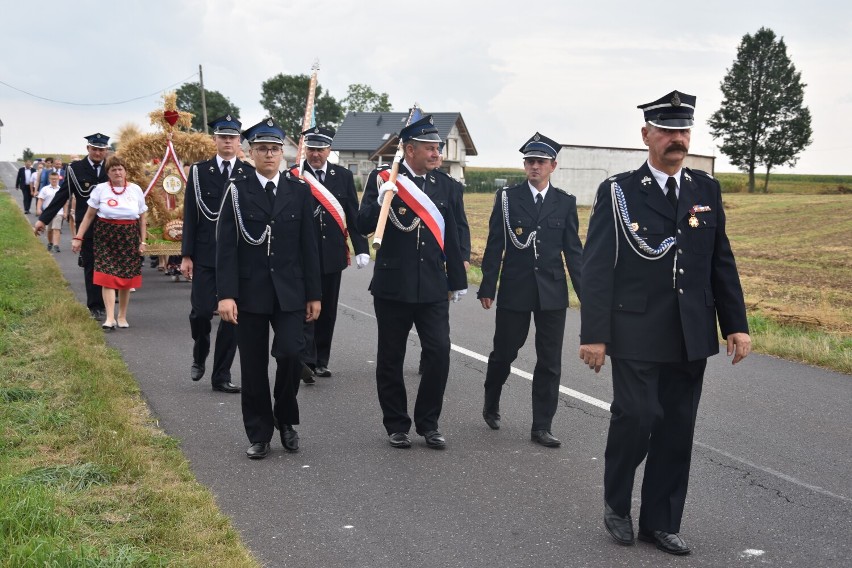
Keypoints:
(333, 248)
(87, 179)
(457, 198)
(287, 266)
(523, 278)
(642, 309)
(410, 266)
(199, 232)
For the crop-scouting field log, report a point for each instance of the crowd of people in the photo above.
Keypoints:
(265, 245)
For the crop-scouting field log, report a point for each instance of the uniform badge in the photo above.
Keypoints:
(634, 227)
(536, 137)
(431, 120)
(676, 100)
(431, 179)
(646, 180)
(270, 123)
(331, 171)
(519, 231)
(211, 169)
(687, 176)
(693, 221)
(86, 184)
(228, 117)
(403, 210)
(239, 170)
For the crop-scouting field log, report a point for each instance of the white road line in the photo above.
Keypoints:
(605, 406)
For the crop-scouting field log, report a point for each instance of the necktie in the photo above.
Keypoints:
(419, 181)
(671, 185)
(225, 167)
(97, 166)
(270, 192)
(319, 175)
(538, 202)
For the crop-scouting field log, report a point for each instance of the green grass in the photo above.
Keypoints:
(787, 183)
(86, 477)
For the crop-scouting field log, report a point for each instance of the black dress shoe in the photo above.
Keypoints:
(620, 528)
(667, 542)
(197, 371)
(545, 438)
(308, 375)
(97, 314)
(258, 451)
(290, 439)
(228, 387)
(108, 327)
(435, 440)
(492, 419)
(322, 371)
(399, 440)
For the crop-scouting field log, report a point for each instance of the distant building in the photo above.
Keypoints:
(581, 169)
(368, 139)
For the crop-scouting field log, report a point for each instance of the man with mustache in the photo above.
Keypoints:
(657, 272)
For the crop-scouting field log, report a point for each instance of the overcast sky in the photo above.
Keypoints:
(574, 71)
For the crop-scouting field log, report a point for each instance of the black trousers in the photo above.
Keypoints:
(94, 296)
(433, 326)
(653, 414)
(204, 303)
(253, 342)
(510, 334)
(318, 334)
(28, 199)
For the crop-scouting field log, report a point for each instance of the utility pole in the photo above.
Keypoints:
(203, 100)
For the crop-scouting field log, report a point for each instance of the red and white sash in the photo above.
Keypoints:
(420, 203)
(325, 197)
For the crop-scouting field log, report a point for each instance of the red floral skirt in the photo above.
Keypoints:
(117, 261)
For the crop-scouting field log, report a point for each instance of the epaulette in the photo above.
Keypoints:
(621, 176)
(560, 190)
(293, 178)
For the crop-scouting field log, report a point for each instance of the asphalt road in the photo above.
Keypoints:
(771, 479)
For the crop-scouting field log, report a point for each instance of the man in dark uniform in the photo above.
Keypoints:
(267, 273)
(412, 280)
(533, 227)
(204, 189)
(331, 230)
(658, 270)
(23, 181)
(81, 177)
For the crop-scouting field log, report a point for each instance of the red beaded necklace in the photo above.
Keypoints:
(117, 192)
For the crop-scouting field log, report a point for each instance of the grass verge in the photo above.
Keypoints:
(86, 478)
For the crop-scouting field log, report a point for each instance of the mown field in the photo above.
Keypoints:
(794, 254)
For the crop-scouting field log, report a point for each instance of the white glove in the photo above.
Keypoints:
(362, 260)
(387, 186)
(457, 295)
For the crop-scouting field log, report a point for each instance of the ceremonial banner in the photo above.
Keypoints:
(167, 185)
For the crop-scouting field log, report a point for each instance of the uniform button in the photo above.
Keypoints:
(536, 268)
(620, 305)
(272, 222)
(538, 242)
(271, 270)
(271, 254)
(678, 231)
(680, 290)
(680, 251)
(680, 271)
(422, 242)
(538, 227)
(323, 236)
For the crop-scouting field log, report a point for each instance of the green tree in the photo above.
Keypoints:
(762, 120)
(362, 98)
(284, 98)
(189, 100)
(28, 155)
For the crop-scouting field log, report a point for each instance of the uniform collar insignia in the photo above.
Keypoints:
(211, 169)
(646, 180)
(331, 171)
(431, 179)
(687, 176)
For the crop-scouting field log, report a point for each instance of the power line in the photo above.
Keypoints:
(98, 104)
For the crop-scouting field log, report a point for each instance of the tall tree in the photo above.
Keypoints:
(189, 100)
(762, 119)
(362, 98)
(284, 97)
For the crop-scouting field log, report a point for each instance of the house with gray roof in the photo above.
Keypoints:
(367, 139)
